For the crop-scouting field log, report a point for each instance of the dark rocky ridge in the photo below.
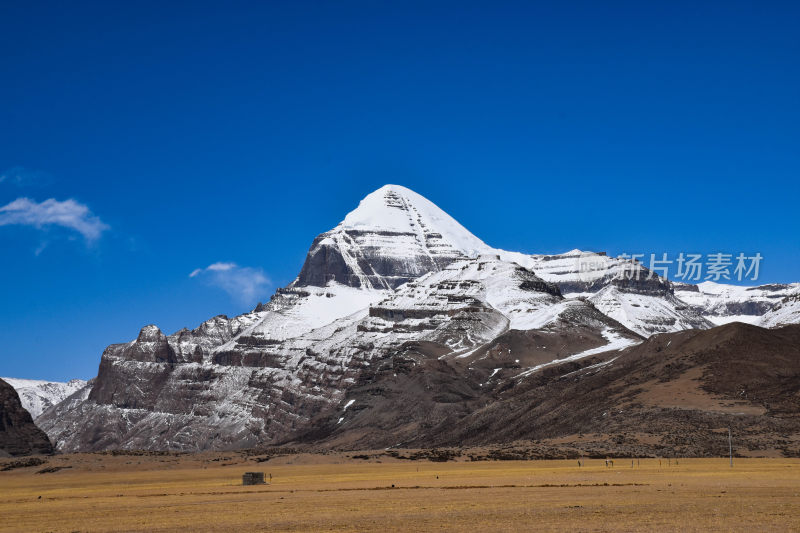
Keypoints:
(325, 263)
(18, 434)
(673, 395)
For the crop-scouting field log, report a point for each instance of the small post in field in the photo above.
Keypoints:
(730, 446)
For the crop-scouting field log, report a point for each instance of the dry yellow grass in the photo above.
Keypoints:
(332, 493)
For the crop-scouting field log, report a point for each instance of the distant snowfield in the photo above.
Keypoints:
(747, 319)
(38, 396)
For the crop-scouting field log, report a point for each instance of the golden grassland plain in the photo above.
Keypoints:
(336, 493)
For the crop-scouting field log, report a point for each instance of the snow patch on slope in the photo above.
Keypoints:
(615, 342)
(319, 307)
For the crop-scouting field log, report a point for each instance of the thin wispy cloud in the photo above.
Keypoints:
(216, 267)
(68, 214)
(244, 284)
(22, 176)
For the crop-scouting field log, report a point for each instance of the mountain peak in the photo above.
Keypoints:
(393, 236)
(394, 208)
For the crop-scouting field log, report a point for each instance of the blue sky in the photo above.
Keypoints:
(190, 135)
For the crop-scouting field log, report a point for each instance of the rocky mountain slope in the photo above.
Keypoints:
(253, 388)
(675, 394)
(397, 287)
(38, 396)
(785, 312)
(18, 434)
(622, 289)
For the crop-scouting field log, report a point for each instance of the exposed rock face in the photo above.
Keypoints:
(18, 434)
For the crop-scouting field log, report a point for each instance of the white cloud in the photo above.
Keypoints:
(68, 214)
(245, 284)
(215, 267)
(222, 267)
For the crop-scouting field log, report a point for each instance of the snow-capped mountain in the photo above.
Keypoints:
(398, 284)
(622, 289)
(38, 396)
(394, 235)
(721, 303)
(787, 311)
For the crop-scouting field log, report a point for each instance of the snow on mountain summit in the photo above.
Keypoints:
(399, 209)
(393, 236)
